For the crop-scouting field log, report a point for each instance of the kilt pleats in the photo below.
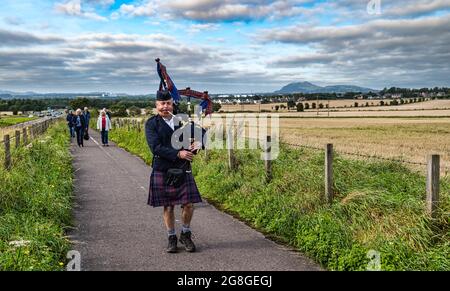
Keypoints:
(163, 195)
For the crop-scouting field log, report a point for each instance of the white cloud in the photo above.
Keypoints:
(378, 53)
(13, 20)
(147, 8)
(408, 46)
(195, 28)
(73, 8)
(214, 10)
(105, 3)
(418, 8)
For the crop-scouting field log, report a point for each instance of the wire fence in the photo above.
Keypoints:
(29, 131)
(444, 168)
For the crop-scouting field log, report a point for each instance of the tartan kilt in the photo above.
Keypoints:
(163, 195)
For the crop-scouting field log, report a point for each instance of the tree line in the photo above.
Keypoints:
(118, 106)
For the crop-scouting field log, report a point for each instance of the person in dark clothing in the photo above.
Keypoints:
(159, 130)
(87, 118)
(69, 119)
(80, 125)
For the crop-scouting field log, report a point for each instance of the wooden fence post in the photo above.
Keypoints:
(25, 136)
(17, 139)
(329, 172)
(268, 160)
(206, 154)
(231, 157)
(433, 184)
(7, 152)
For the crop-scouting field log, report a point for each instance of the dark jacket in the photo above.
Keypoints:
(159, 139)
(69, 119)
(87, 117)
(82, 120)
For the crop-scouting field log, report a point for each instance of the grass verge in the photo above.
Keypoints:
(35, 204)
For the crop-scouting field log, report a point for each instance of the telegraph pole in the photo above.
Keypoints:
(317, 104)
(328, 107)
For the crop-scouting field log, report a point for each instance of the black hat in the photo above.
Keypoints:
(163, 95)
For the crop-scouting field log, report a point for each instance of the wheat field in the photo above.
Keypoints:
(405, 139)
(346, 108)
(408, 139)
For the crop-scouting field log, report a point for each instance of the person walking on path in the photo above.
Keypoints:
(69, 119)
(80, 125)
(171, 179)
(104, 125)
(87, 118)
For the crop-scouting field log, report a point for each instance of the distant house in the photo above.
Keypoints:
(396, 96)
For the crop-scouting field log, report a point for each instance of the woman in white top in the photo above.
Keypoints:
(104, 125)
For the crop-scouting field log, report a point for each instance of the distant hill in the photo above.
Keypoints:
(307, 87)
(5, 94)
(17, 93)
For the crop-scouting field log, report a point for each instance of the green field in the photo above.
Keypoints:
(35, 204)
(379, 206)
(12, 120)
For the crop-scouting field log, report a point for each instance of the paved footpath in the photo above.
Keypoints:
(115, 229)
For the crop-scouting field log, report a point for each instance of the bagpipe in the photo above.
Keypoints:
(166, 83)
(195, 130)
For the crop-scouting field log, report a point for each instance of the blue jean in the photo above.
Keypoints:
(104, 136)
(80, 134)
(71, 131)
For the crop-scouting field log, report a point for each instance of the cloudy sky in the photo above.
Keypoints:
(222, 46)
